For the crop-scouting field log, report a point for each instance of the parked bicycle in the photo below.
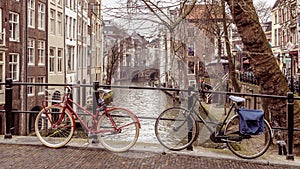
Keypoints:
(177, 128)
(116, 128)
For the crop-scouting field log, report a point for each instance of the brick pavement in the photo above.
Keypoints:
(33, 156)
(27, 152)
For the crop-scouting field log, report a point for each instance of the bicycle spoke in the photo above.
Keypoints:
(52, 129)
(126, 133)
(172, 129)
(251, 146)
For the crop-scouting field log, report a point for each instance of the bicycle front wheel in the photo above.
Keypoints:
(175, 129)
(53, 127)
(119, 129)
(247, 146)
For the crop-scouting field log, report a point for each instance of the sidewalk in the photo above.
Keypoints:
(270, 158)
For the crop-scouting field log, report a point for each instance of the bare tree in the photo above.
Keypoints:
(264, 11)
(113, 60)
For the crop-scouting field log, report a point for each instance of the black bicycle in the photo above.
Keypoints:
(177, 128)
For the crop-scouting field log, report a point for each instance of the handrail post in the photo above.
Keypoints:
(95, 95)
(290, 121)
(8, 108)
(95, 105)
(190, 124)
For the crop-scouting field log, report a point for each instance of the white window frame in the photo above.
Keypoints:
(30, 88)
(190, 32)
(188, 68)
(59, 60)
(41, 89)
(41, 52)
(31, 53)
(14, 30)
(31, 13)
(2, 70)
(14, 66)
(71, 59)
(52, 60)
(1, 24)
(192, 83)
(52, 22)
(74, 29)
(59, 2)
(59, 23)
(70, 27)
(41, 16)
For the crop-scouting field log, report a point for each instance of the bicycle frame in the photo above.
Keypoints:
(95, 117)
(193, 112)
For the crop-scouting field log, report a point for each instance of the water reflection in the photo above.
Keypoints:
(145, 104)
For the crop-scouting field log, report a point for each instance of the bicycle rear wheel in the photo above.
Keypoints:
(54, 128)
(250, 146)
(119, 131)
(175, 130)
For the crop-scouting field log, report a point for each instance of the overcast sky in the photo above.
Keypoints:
(129, 24)
(112, 2)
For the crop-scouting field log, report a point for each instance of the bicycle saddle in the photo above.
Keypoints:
(237, 99)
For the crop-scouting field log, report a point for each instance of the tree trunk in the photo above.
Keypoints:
(272, 81)
(231, 66)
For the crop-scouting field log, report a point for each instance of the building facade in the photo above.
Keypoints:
(285, 36)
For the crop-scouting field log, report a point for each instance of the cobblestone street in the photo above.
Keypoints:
(36, 156)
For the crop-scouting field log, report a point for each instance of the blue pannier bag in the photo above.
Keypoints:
(251, 121)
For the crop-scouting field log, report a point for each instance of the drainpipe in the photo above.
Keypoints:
(24, 123)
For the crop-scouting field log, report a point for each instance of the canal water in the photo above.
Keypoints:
(146, 104)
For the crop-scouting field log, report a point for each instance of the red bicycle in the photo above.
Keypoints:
(116, 128)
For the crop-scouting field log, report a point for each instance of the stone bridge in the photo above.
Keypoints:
(142, 73)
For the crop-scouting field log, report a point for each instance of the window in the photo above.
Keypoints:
(59, 23)
(191, 67)
(70, 27)
(14, 66)
(79, 55)
(30, 88)
(275, 38)
(41, 16)
(59, 2)
(190, 32)
(191, 50)
(14, 26)
(31, 13)
(2, 70)
(70, 58)
(59, 60)
(192, 83)
(41, 89)
(31, 52)
(51, 60)
(74, 29)
(67, 3)
(1, 23)
(41, 52)
(276, 17)
(52, 22)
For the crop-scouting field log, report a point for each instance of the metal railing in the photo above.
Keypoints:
(289, 97)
